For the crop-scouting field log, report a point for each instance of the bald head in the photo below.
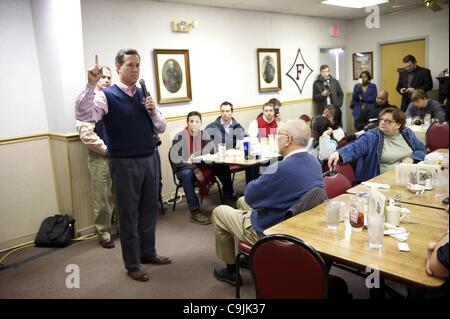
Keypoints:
(382, 98)
(298, 130)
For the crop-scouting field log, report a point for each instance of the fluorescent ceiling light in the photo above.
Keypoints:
(336, 51)
(354, 3)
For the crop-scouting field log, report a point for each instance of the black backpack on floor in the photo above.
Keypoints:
(56, 231)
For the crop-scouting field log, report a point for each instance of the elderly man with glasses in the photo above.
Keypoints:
(378, 150)
(267, 198)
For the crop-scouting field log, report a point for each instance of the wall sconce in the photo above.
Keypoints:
(183, 26)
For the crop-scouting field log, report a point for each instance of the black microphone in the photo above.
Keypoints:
(144, 88)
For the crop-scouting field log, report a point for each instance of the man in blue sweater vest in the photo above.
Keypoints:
(130, 120)
(267, 198)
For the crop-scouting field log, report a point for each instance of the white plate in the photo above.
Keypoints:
(416, 187)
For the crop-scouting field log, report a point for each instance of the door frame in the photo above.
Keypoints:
(342, 82)
(405, 39)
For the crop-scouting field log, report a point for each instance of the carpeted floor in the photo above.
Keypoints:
(42, 271)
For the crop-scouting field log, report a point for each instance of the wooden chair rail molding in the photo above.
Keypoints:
(74, 135)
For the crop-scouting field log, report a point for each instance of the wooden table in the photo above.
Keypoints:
(426, 199)
(351, 248)
(441, 151)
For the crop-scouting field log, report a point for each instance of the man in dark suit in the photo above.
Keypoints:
(411, 78)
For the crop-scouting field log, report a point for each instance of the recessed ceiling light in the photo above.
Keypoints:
(354, 3)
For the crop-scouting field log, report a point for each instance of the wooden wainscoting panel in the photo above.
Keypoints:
(27, 190)
(80, 185)
(61, 171)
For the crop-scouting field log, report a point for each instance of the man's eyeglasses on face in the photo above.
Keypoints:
(281, 133)
(388, 122)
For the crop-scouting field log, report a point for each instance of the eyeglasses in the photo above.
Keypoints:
(388, 122)
(280, 133)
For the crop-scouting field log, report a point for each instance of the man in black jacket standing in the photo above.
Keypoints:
(411, 78)
(326, 91)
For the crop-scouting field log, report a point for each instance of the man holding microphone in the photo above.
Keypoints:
(131, 118)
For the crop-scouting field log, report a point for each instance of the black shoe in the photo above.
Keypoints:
(243, 262)
(108, 244)
(222, 274)
(198, 217)
(156, 260)
(138, 275)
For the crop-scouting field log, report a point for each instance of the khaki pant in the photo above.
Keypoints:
(230, 223)
(102, 196)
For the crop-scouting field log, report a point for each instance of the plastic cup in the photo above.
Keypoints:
(393, 215)
(332, 212)
(441, 184)
(376, 231)
(222, 151)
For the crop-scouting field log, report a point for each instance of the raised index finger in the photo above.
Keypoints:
(96, 60)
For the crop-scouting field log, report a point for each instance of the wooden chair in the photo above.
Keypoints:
(178, 183)
(309, 200)
(286, 267)
(437, 136)
(335, 183)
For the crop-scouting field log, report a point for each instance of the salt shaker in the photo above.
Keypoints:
(397, 200)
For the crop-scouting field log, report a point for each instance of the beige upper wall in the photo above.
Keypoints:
(414, 24)
(222, 48)
(222, 51)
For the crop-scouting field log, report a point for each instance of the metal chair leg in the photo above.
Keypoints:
(220, 192)
(175, 198)
(238, 275)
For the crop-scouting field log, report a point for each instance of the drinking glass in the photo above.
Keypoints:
(427, 119)
(332, 212)
(441, 184)
(376, 230)
(222, 150)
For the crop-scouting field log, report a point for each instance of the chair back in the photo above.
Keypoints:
(173, 154)
(437, 136)
(234, 168)
(309, 200)
(286, 267)
(335, 184)
(342, 143)
(346, 170)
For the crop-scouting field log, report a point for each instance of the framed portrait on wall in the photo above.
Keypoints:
(172, 76)
(362, 62)
(269, 70)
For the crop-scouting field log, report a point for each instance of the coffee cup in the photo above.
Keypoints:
(394, 215)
